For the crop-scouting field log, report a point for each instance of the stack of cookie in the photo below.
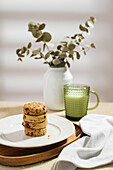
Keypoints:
(35, 119)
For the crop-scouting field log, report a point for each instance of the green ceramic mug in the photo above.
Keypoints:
(76, 97)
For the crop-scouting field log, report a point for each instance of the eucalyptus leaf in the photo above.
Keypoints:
(32, 55)
(37, 58)
(46, 36)
(78, 55)
(35, 33)
(64, 49)
(51, 52)
(62, 55)
(70, 55)
(92, 45)
(44, 45)
(27, 52)
(46, 62)
(23, 50)
(56, 53)
(31, 25)
(42, 55)
(63, 42)
(84, 52)
(42, 26)
(71, 47)
(89, 24)
(86, 24)
(21, 55)
(59, 47)
(56, 61)
(40, 38)
(92, 19)
(82, 28)
(35, 52)
(17, 51)
(19, 59)
(29, 45)
(47, 56)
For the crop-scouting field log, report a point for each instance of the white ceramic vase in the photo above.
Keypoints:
(53, 87)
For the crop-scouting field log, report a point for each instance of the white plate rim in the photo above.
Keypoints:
(49, 116)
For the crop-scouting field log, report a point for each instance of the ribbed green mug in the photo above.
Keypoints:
(76, 97)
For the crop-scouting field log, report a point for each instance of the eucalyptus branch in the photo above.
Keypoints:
(65, 50)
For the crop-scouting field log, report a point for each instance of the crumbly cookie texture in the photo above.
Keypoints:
(35, 119)
(35, 133)
(35, 108)
(38, 125)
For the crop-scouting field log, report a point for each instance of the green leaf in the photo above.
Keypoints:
(42, 55)
(83, 28)
(92, 45)
(80, 36)
(31, 25)
(44, 45)
(64, 49)
(19, 59)
(62, 55)
(17, 51)
(40, 38)
(56, 53)
(35, 52)
(46, 36)
(35, 33)
(42, 26)
(47, 56)
(23, 50)
(46, 62)
(86, 24)
(29, 45)
(70, 56)
(78, 55)
(51, 52)
(59, 47)
(37, 58)
(92, 19)
(63, 42)
(84, 52)
(71, 47)
(20, 55)
(27, 52)
(32, 55)
(56, 61)
(89, 24)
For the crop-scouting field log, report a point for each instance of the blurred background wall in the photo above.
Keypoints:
(24, 81)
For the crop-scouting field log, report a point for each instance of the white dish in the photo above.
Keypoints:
(12, 132)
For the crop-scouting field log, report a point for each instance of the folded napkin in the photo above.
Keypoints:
(92, 150)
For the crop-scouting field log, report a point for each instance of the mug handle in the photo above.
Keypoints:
(97, 96)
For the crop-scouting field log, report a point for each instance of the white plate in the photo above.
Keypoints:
(12, 132)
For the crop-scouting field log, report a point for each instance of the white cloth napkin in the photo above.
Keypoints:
(92, 150)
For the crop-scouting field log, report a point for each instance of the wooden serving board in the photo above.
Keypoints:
(12, 156)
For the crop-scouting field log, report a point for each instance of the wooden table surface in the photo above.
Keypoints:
(12, 108)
